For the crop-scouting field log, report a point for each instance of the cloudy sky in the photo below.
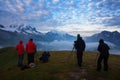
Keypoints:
(86, 17)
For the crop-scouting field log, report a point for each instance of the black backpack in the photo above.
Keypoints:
(79, 45)
(76, 44)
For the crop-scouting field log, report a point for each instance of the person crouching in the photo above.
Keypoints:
(45, 57)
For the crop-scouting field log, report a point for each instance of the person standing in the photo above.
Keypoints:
(30, 49)
(79, 45)
(103, 48)
(20, 50)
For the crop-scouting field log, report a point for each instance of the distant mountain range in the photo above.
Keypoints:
(113, 37)
(58, 35)
(10, 35)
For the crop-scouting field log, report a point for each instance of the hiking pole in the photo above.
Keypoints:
(73, 49)
(96, 56)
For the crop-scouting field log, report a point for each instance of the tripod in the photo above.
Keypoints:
(70, 54)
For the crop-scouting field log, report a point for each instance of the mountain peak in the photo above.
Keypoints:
(113, 37)
(109, 32)
(1, 26)
(116, 32)
(57, 32)
(26, 29)
(103, 32)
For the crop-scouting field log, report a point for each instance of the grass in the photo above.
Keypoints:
(61, 66)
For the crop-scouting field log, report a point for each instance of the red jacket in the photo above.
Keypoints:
(20, 48)
(30, 47)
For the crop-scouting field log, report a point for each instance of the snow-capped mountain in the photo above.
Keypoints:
(1, 26)
(53, 40)
(25, 29)
(58, 35)
(10, 35)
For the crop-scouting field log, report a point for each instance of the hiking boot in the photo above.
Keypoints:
(79, 65)
(105, 69)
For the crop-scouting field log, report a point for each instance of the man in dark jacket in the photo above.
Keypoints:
(103, 48)
(45, 56)
(30, 49)
(79, 45)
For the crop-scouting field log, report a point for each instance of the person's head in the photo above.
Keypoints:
(31, 39)
(79, 37)
(101, 41)
(20, 41)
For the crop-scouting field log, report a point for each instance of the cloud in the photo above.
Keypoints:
(64, 12)
(58, 13)
(55, 1)
(20, 5)
(90, 5)
(70, 3)
(27, 2)
(58, 45)
(112, 21)
(10, 6)
(98, 4)
(68, 45)
(86, 29)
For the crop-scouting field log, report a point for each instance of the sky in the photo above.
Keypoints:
(85, 17)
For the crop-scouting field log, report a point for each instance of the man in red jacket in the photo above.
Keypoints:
(20, 50)
(30, 49)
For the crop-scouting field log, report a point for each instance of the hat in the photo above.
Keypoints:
(78, 35)
(101, 41)
(21, 41)
(31, 39)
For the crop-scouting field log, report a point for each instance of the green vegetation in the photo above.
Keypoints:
(61, 66)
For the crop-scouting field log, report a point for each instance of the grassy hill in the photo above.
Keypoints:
(61, 66)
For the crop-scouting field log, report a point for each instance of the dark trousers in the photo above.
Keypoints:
(103, 58)
(20, 60)
(30, 58)
(79, 57)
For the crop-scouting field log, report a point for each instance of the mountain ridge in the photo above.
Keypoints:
(25, 32)
(113, 37)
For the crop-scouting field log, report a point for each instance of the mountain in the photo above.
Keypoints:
(24, 29)
(8, 38)
(10, 35)
(113, 37)
(1, 26)
(58, 35)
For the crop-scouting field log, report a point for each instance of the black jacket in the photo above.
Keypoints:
(103, 48)
(79, 44)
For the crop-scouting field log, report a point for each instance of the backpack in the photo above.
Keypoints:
(76, 45)
(79, 45)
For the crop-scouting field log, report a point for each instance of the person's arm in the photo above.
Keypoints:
(16, 47)
(23, 48)
(108, 47)
(35, 48)
(99, 48)
(84, 45)
(26, 47)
